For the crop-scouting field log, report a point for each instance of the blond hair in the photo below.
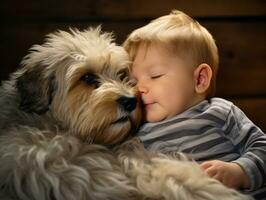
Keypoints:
(184, 35)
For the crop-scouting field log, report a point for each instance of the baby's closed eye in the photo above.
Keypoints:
(156, 76)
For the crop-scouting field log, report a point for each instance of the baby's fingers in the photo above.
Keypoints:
(206, 165)
(211, 171)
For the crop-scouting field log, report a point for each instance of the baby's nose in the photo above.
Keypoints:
(142, 88)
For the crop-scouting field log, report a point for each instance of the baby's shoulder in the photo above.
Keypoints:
(221, 104)
(220, 108)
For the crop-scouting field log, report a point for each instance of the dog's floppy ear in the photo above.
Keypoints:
(35, 90)
(35, 82)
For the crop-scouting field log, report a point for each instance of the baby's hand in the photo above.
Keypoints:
(230, 174)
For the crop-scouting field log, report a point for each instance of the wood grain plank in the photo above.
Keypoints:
(242, 52)
(110, 9)
(255, 109)
(203, 8)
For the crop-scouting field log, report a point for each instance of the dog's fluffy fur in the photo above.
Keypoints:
(62, 114)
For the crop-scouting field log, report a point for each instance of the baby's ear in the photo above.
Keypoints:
(202, 77)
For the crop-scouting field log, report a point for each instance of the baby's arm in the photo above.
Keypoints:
(230, 174)
(249, 170)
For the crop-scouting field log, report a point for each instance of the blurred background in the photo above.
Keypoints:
(238, 26)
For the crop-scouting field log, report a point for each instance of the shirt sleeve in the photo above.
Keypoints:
(250, 141)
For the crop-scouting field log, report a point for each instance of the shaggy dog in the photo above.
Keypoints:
(63, 117)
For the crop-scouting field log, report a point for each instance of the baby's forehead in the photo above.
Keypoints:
(145, 46)
(158, 49)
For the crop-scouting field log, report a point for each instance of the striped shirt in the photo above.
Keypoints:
(214, 129)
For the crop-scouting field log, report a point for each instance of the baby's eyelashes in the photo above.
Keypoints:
(156, 76)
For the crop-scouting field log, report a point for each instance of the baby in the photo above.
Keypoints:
(175, 62)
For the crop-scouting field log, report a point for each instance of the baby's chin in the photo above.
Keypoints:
(155, 112)
(153, 118)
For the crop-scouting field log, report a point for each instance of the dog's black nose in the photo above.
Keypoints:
(127, 103)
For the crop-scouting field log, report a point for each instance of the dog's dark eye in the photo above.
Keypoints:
(91, 79)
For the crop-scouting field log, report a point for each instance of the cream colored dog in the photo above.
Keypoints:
(62, 114)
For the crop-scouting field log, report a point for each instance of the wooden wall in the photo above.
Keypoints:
(239, 27)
